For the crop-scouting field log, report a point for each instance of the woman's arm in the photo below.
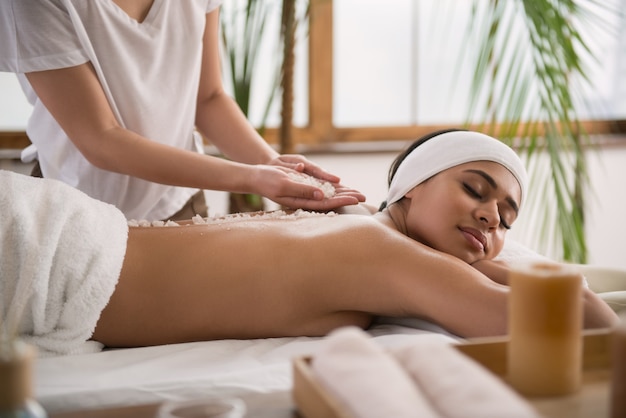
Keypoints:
(597, 313)
(498, 271)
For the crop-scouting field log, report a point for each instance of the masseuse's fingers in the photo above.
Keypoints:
(297, 195)
(327, 204)
(347, 191)
(303, 165)
(298, 191)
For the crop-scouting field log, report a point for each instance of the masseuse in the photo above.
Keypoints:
(451, 202)
(119, 87)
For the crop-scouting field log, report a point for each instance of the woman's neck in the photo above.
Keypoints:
(394, 217)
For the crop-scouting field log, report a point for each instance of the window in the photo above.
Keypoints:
(370, 70)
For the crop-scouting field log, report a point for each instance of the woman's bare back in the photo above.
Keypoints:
(238, 278)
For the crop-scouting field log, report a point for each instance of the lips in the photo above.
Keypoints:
(476, 238)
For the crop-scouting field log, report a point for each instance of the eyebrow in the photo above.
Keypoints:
(493, 184)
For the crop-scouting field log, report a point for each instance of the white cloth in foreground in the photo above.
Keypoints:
(456, 385)
(62, 253)
(366, 380)
(425, 379)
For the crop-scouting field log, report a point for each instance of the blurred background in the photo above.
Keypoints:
(350, 83)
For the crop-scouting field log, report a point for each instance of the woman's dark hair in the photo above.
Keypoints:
(401, 157)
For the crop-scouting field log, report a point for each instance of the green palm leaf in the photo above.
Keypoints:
(528, 69)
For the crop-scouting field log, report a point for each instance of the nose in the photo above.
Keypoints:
(487, 213)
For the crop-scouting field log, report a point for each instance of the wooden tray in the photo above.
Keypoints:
(592, 400)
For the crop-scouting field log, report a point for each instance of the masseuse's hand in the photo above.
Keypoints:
(301, 164)
(275, 183)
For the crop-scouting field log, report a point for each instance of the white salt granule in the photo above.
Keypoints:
(145, 223)
(327, 188)
(198, 220)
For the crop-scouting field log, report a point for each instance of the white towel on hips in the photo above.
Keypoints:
(61, 254)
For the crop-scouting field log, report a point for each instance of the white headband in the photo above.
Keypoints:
(448, 150)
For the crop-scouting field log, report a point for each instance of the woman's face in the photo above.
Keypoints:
(465, 210)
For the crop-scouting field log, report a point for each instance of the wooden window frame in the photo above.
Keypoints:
(320, 133)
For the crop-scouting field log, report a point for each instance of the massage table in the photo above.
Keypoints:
(259, 371)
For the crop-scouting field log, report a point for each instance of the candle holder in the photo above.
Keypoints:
(545, 329)
(16, 396)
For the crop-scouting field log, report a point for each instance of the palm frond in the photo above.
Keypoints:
(531, 60)
(243, 31)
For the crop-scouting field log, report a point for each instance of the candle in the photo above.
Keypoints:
(15, 375)
(16, 360)
(545, 329)
(618, 369)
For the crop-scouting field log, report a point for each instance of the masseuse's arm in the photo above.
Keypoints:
(221, 120)
(77, 101)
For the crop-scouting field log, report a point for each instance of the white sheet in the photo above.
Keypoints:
(183, 371)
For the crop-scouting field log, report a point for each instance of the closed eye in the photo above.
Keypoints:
(469, 189)
(472, 192)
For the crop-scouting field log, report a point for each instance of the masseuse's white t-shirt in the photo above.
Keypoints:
(149, 71)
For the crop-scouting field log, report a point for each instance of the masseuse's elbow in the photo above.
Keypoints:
(100, 150)
(98, 160)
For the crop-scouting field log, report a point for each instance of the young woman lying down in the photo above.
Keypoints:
(452, 198)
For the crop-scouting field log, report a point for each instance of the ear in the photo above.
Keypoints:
(412, 193)
(416, 191)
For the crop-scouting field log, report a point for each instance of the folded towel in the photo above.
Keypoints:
(367, 381)
(62, 253)
(457, 386)
(428, 378)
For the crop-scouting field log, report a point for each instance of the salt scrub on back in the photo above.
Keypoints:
(259, 216)
(327, 188)
(234, 217)
(146, 223)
